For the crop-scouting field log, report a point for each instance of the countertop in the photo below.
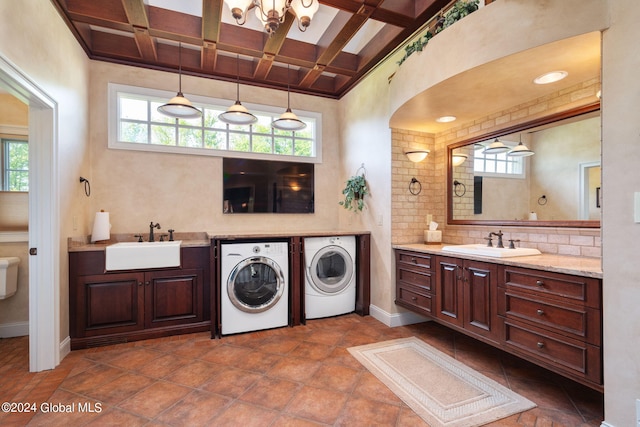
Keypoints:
(195, 239)
(581, 266)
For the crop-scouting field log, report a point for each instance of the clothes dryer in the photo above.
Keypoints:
(255, 286)
(330, 285)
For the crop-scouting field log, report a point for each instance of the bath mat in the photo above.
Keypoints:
(440, 389)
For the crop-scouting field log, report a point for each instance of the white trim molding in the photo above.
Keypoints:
(395, 319)
(16, 329)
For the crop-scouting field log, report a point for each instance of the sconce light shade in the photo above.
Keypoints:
(520, 150)
(417, 155)
(457, 159)
(496, 147)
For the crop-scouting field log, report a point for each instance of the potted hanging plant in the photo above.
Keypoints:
(354, 192)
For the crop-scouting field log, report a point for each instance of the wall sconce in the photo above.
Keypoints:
(458, 159)
(417, 155)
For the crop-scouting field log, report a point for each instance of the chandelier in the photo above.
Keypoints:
(272, 12)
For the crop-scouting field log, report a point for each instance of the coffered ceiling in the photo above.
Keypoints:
(345, 40)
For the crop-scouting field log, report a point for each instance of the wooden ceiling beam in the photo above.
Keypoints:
(137, 16)
(211, 20)
(272, 47)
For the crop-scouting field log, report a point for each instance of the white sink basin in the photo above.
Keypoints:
(136, 255)
(484, 250)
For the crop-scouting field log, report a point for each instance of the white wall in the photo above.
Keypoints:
(620, 234)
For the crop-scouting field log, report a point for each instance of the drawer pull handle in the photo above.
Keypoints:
(414, 260)
(139, 283)
(540, 312)
(540, 283)
(540, 344)
(414, 298)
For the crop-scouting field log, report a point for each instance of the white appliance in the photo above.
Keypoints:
(255, 286)
(330, 287)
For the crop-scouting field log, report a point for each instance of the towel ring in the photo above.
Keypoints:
(415, 187)
(87, 186)
(456, 185)
(542, 200)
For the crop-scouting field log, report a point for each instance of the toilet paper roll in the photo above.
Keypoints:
(533, 216)
(101, 227)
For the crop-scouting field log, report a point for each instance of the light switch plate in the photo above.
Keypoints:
(636, 207)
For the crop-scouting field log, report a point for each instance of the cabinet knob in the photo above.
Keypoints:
(540, 312)
(147, 283)
(139, 283)
(540, 344)
(540, 283)
(414, 298)
(414, 260)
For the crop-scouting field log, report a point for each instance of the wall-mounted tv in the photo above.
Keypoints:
(265, 186)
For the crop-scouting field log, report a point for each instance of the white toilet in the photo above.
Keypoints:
(8, 276)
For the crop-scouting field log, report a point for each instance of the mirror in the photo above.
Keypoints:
(558, 185)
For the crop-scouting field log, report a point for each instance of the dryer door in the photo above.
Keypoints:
(255, 284)
(331, 269)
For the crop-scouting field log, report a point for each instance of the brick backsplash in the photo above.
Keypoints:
(409, 212)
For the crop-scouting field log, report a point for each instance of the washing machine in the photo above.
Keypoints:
(330, 287)
(254, 291)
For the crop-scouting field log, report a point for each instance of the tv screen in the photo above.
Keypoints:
(265, 186)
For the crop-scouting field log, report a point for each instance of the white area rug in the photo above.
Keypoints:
(441, 390)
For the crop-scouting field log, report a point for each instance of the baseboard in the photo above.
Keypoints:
(606, 424)
(10, 330)
(65, 347)
(395, 319)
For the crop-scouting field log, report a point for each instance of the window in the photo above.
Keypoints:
(497, 164)
(15, 164)
(137, 125)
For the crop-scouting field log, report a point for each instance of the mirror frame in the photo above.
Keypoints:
(506, 131)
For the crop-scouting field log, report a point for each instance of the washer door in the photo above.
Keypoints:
(255, 284)
(331, 269)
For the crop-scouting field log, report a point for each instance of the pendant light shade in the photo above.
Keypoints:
(238, 114)
(496, 147)
(520, 150)
(180, 107)
(288, 120)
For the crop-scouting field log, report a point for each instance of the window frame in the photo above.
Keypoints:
(5, 140)
(495, 158)
(200, 101)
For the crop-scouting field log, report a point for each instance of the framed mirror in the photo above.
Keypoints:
(554, 182)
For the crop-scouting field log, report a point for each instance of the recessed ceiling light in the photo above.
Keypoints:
(550, 77)
(445, 119)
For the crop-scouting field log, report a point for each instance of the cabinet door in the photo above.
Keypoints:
(448, 292)
(480, 311)
(173, 297)
(110, 303)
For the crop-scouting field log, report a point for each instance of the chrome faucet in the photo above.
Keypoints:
(499, 234)
(151, 227)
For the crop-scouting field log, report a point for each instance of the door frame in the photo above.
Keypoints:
(44, 230)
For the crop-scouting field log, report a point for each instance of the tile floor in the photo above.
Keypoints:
(301, 376)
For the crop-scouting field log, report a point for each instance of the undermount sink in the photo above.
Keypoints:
(484, 250)
(137, 255)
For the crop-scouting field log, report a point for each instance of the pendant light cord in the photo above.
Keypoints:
(180, 67)
(288, 88)
(237, 77)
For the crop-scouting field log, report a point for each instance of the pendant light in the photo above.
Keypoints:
(238, 114)
(180, 107)
(288, 120)
(520, 150)
(496, 147)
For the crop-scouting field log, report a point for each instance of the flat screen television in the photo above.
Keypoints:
(266, 186)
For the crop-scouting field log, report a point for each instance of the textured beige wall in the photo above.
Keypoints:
(620, 233)
(184, 192)
(54, 61)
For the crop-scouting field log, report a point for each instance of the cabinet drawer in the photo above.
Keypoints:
(582, 323)
(576, 289)
(414, 297)
(414, 259)
(571, 356)
(417, 278)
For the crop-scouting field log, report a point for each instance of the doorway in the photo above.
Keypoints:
(590, 191)
(44, 236)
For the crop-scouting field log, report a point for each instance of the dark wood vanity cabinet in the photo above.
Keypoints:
(465, 295)
(414, 281)
(113, 307)
(551, 319)
(555, 319)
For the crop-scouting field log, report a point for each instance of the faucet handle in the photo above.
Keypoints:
(489, 242)
(511, 243)
(139, 236)
(171, 230)
(162, 236)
